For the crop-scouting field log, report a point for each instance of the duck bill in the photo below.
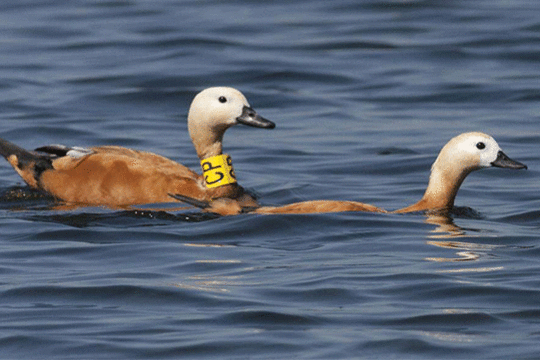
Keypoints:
(250, 117)
(504, 161)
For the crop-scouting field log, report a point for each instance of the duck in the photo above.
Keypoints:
(462, 155)
(119, 177)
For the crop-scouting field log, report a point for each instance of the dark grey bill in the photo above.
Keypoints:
(251, 118)
(504, 161)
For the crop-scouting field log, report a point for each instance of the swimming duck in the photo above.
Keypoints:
(458, 158)
(117, 176)
(462, 155)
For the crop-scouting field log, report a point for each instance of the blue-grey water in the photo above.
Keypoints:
(364, 94)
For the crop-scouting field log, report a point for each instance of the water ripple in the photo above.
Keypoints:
(364, 94)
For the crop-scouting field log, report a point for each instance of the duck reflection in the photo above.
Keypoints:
(445, 227)
(465, 251)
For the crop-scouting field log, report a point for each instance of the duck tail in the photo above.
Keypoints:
(28, 164)
(7, 149)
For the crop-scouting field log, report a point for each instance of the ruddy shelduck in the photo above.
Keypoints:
(462, 155)
(116, 176)
(457, 159)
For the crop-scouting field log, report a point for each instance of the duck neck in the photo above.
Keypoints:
(217, 167)
(218, 171)
(444, 183)
(207, 141)
(205, 151)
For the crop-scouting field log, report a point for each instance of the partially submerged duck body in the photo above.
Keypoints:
(226, 206)
(117, 176)
(318, 206)
(462, 155)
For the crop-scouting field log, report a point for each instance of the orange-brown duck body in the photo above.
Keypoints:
(225, 206)
(318, 206)
(117, 176)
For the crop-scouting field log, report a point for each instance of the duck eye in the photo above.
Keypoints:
(222, 99)
(480, 146)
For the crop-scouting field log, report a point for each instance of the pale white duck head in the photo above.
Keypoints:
(458, 158)
(473, 151)
(213, 111)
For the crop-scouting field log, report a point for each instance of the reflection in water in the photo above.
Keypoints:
(476, 270)
(445, 226)
(466, 251)
(462, 255)
(208, 245)
(211, 283)
(32, 202)
(216, 284)
(450, 337)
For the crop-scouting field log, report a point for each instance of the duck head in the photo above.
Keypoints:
(473, 151)
(457, 159)
(213, 111)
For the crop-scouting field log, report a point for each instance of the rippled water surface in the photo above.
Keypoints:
(364, 94)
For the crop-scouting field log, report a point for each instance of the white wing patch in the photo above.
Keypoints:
(78, 152)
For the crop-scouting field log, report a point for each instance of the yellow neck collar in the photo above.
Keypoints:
(218, 171)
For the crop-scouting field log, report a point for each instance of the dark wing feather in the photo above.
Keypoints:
(54, 150)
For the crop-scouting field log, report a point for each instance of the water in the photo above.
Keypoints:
(364, 94)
